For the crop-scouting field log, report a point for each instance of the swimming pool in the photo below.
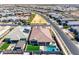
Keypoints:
(51, 48)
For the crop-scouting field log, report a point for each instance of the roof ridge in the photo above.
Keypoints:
(43, 33)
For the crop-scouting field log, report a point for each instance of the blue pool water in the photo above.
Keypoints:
(51, 48)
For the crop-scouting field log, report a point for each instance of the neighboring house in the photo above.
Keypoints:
(22, 14)
(56, 15)
(19, 33)
(76, 32)
(66, 19)
(73, 23)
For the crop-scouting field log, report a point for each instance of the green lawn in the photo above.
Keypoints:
(31, 48)
(31, 18)
(66, 27)
(4, 46)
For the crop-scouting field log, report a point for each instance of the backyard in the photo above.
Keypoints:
(32, 48)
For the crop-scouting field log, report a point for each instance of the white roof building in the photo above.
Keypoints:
(17, 33)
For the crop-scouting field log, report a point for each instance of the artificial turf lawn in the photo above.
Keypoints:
(4, 46)
(31, 48)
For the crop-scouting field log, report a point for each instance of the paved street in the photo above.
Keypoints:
(73, 49)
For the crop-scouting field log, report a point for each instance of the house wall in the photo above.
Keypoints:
(39, 43)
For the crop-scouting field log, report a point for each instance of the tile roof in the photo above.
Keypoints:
(41, 34)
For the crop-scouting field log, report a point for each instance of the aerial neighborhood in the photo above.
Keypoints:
(39, 29)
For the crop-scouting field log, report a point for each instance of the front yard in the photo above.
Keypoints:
(4, 46)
